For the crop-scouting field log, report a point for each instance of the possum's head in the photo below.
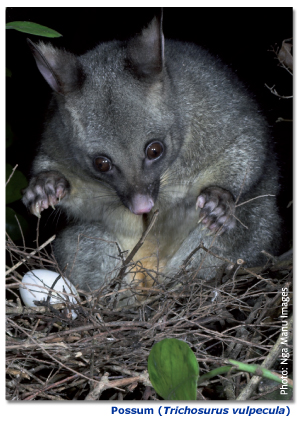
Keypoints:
(118, 118)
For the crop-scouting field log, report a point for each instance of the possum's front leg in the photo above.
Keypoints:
(217, 209)
(44, 190)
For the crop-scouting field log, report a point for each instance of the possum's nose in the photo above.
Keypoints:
(140, 204)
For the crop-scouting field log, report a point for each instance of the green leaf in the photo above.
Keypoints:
(9, 135)
(12, 227)
(173, 370)
(32, 28)
(17, 182)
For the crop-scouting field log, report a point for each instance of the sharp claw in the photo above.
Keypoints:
(37, 210)
(201, 219)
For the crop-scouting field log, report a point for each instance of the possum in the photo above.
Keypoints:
(144, 125)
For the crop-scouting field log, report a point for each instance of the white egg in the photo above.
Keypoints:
(37, 284)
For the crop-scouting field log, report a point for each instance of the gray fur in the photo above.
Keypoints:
(111, 102)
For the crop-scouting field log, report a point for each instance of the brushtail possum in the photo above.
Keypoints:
(152, 124)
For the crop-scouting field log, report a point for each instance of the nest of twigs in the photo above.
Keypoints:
(102, 354)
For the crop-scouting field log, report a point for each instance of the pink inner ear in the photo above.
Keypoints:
(141, 204)
(48, 75)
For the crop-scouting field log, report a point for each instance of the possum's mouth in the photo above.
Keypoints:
(140, 204)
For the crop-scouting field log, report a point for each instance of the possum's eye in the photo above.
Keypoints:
(102, 164)
(154, 150)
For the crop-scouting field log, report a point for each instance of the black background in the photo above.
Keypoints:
(241, 37)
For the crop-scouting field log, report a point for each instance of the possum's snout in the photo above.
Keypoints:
(140, 204)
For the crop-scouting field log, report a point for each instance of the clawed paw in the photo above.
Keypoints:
(217, 209)
(44, 190)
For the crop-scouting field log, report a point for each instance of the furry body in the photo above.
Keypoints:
(113, 102)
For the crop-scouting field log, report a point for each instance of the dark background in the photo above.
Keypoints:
(241, 37)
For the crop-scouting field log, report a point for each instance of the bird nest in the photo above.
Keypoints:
(102, 354)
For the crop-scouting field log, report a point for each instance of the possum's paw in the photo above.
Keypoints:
(217, 209)
(44, 190)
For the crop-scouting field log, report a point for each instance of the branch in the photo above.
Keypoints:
(30, 254)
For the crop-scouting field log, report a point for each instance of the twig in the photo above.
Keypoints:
(254, 198)
(105, 384)
(51, 386)
(47, 353)
(32, 309)
(12, 173)
(137, 246)
(30, 254)
(273, 91)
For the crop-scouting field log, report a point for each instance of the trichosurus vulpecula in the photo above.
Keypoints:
(151, 124)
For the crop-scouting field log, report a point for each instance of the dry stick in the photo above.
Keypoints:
(48, 354)
(19, 251)
(124, 325)
(12, 173)
(22, 235)
(268, 362)
(105, 384)
(133, 252)
(273, 91)
(37, 240)
(257, 197)
(137, 246)
(259, 277)
(30, 254)
(51, 386)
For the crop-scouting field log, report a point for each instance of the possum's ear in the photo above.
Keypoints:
(60, 69)
(145, 51)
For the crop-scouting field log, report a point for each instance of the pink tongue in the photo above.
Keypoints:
(141, 204)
